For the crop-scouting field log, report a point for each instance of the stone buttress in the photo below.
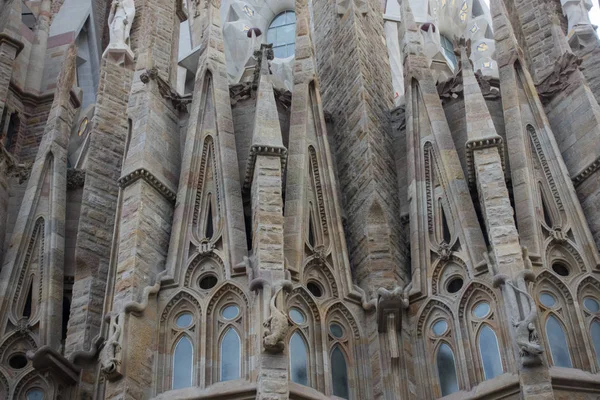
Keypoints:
(32, 275)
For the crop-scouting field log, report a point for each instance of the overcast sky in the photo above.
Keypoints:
(594, 12)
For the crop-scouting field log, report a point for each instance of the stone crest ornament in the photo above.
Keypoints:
(120, 19)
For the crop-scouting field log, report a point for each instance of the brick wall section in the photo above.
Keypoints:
(108, 136)
(357, 92)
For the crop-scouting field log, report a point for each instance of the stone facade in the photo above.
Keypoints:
(208, 219)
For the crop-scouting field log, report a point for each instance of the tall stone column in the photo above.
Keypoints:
(265, 167)
(485, 149)
(37, 58)
(357, 91)
(148, 181)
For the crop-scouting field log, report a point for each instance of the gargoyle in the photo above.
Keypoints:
(277, 325)
(367, 305)
(525, 331)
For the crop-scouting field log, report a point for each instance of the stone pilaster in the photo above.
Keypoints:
(357, 91)
(44, 205)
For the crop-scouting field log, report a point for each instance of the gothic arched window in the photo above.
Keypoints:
(557, 340)
(230, 351)
(282, 33)
(183, 362)
(298, 359)
(339, 373)
(446, 369)
(490, 353)
(589, 297)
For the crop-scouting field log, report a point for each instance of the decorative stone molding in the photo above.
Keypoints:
(48, 360)
(181, 10)
(146, 175)
(587, 172)
(75, 178)
(545, 166)
(255, 151)
(558, 79)
(17, 44)
(481, 144)
(179, 102)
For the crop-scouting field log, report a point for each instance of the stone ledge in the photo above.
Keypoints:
(146, 175)
(481, 144)
(256, 151)
(238, 390)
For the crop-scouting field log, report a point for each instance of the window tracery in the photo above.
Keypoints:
(483, 335)
(226, 326)
(438, 343)
(589, 300)
(558, 319)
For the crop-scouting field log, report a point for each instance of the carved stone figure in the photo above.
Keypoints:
(577, 12)
(110, 359)
(122, 13)
(277, 325)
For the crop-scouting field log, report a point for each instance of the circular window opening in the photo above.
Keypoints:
(591, 304)
(547, 299)
(208, 282)
(230, 312)
(297, 316)
(455, 285)
(35, 394)
(439, 327)
(18, 361)
(184, 320)
(336, 330)
(560, 268)
(481, 310)
(315, 289)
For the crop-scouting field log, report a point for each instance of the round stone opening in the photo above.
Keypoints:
(208, 282)
(315, 289)
(455, 285)
(560, 268)
(18, 361)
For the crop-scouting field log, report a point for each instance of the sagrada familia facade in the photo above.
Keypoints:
(299, 199)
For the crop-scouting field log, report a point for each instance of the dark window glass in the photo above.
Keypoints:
(298, 360)
(558, 343)
(490, 353)
(230, 356)
(595, 332)
(446, 370)
(339, 374)
(183, 359)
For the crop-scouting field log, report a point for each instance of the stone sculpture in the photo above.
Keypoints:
(120, 19)
(277, 325)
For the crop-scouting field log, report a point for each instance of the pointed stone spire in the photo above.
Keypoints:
(266, 137)
(481, 132)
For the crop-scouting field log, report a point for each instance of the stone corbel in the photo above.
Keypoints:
(390, 304)
(47, 360)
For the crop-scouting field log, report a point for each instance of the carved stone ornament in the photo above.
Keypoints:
(179, 102)
(75, 178)
(558, 80)
(278, 324)
(120, 19)
(10, 167)
(110, 357)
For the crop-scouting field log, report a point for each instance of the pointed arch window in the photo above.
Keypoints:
(183, 359)
(557, 340)
(595, 333)
(339, 373)
(591, 308)
(446, 370)
(27, 307)
(298, 359)
(230, 355)
(490, 353)
(209, 231)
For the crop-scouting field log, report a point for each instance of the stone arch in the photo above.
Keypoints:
(202, 265)
(318, 270)
(566, 253)
(444, 271)
(31, 380)
(339, 309)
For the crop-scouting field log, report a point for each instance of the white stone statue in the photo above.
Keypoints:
(120, 19)
(577, 12)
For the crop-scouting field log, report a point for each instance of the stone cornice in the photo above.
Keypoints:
(142, 173)
(480, 144)
(587, 172)
(256, 151)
